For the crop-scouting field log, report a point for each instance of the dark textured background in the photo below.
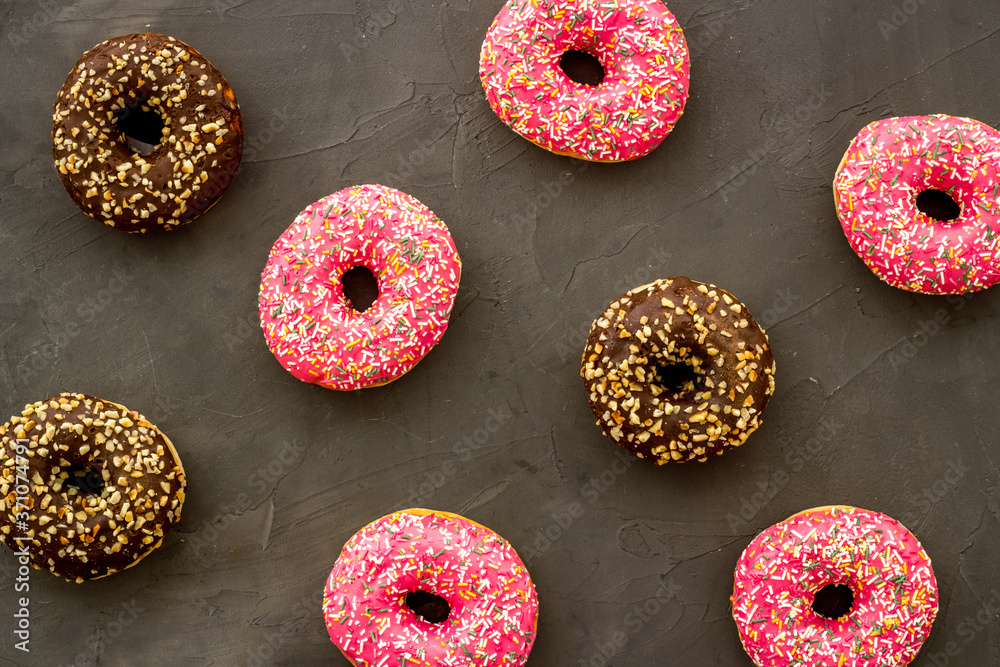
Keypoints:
(877, 404)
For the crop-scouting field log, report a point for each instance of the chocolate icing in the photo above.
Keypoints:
(78, 535)
(191, 167)
(669, 322)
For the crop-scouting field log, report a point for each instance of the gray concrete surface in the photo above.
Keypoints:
(877, 403)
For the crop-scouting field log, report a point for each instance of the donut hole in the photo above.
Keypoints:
(430, 607)
(676, 378)
(582, 67)
(938, 204)
(141, 128)
(81, 479)
(360, 288)
(833, 601)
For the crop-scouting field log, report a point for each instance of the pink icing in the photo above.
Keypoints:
(643, 93)
(310, 327)
(895, 592)
(494, 607)
(887, 165)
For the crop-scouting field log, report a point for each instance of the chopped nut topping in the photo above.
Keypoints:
(715, 405)
(104, 176)
(68, 518)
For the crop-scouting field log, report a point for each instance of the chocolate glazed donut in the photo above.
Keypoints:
(677, 370)
(191, 166)
(88, 487)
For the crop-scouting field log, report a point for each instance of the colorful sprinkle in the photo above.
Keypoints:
(493, 603)
(889, 573)
(309, 325)
(876, 188)
(645, 87)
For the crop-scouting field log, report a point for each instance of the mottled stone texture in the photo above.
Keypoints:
(885, 400)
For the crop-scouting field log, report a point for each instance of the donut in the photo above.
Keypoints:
(314, 330)
(640, 97)
(834, 586)
(677, 370)
(420, 587)
(88, 487)
(144, 80)
(892, 170)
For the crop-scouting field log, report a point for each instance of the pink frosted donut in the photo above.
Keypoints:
(893, 171)
(434, 589)
(834, 587)
(645, 85)
(314, 330)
